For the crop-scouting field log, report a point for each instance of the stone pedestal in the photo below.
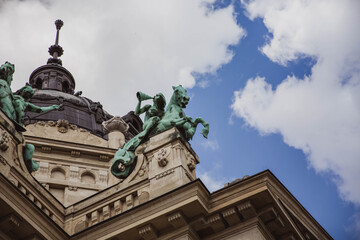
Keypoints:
(116, 128)
(10, 143)
(171, 162)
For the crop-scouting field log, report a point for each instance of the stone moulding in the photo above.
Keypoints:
(256, 206)
(62, 130)
(163, 174)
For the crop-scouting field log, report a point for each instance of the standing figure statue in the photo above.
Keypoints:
(15, 105)
(6, 96)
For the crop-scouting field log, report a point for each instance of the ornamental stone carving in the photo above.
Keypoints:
(62, 125)
(4, 141)
(161, 157)
(115, 124)
(190, 162)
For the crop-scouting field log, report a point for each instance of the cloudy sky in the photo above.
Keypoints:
(278, 81)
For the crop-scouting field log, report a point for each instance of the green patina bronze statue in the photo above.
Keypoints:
(28, 152)
(14, 105)
(22, 105)
(157, 120)
(6, 96)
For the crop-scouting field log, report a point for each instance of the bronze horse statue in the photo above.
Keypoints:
(156, 122)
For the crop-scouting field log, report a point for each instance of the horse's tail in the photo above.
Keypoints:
(205, 124)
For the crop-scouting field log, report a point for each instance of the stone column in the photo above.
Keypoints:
(116, 128)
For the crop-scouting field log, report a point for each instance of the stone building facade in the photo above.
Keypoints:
(73, 195)
(160, 199)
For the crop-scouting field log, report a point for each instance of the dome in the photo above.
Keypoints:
(54, 84)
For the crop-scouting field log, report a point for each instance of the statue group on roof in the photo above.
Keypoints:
(157, 120)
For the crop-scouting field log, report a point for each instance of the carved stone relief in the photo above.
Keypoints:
(63, 126)
(190, 162)
(162, 157)
(4, 141)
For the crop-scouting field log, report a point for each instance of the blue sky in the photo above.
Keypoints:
(241, 150)
(277, 80)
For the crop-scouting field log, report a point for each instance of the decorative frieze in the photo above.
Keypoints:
(117, 207)
(231, 216)
(74, 172)
(163, 174)
(216, 222)
(10, 222)
(148, 232)
(129, 201)
(94, 218)
(46, 149)
(246, 210)
(75, 153)
(63, 126)
(106, 212)
(177, 220)
(43, 168)
(104, 157)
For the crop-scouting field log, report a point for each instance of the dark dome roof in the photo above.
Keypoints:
(54, 84)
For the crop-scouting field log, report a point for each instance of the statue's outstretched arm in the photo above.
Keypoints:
(33, 108)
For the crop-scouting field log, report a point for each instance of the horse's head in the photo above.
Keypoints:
(180, 97)
(6, 72)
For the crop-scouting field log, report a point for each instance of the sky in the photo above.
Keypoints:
(278, 81)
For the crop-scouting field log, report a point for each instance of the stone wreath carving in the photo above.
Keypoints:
(190, 162)
(62, 125)
(161, 157)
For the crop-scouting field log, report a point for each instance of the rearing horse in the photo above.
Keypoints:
(124, 158)
(176, 117)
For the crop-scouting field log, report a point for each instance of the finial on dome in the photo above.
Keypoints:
(56, 50)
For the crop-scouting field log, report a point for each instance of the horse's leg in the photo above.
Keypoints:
(189, 129)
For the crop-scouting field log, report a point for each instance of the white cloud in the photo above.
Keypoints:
(115, 48)
(210, 144)
(320, 113)
(211, 182)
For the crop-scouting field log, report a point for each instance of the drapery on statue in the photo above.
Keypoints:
(157, 120)
(14, 106)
